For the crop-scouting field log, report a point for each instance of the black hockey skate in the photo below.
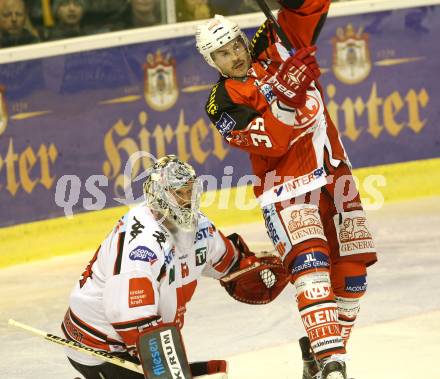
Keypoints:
(334, 369)
(310, 366)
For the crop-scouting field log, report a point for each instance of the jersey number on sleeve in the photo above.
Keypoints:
(257, 138)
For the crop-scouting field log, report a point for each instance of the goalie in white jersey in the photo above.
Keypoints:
(147, 268)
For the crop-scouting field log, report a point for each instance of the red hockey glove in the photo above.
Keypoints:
(294, 76)
(254, 280)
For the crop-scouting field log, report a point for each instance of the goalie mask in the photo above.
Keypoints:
(216, 33)
(173, 190)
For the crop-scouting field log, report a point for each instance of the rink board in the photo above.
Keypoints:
(84, 232)
(83, 114)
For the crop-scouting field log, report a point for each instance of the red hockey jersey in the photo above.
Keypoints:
(291, 150)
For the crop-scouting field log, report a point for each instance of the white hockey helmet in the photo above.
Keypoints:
(168, 175)
(215, 33)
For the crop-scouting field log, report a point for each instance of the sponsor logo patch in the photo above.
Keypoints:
(271, 219)
(319, 291)
(309, 261)
(200, 256)
(160, 238)
(205, 232)
(169, 256)
(140, 292)
(158, 366)
(266, 90)
(356, 284)
(353, 234)
(171, 355)
(303, 223)
(143, 253)
(136, 229)
(294, 184)
(225, 124)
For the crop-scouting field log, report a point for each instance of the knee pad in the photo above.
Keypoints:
(313, 287)
(349, 279)
(311, 259)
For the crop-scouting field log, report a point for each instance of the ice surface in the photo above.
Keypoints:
(397, 330)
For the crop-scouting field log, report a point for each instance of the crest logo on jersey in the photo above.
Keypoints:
(143, 253)
(160, 81)
(353, 234)
(3, 111)
(225, 125)
(184, 269)
(306, 115)
(351, 55)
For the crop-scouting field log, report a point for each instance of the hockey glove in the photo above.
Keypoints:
(294, 77)
(254, 280)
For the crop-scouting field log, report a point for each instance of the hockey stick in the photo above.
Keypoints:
(269, 15)
(272, 253)
(96, 353)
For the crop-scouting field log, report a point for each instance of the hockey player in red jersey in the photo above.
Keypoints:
(146, 271)
(269, 104)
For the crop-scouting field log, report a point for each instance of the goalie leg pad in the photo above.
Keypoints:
(162, 353)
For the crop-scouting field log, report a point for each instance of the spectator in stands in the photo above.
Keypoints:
(68, 15)
(105, 14)
(40, 14)
(188, 10)
(13, 19)
(140, 13)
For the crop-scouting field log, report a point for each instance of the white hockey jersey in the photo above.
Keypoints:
(141, 275)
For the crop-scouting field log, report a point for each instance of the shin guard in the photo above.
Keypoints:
(316, 303)
(349, 282)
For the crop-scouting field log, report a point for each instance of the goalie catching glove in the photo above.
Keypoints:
(254, 280)
(294, 76)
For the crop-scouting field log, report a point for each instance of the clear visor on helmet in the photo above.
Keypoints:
(233, 49)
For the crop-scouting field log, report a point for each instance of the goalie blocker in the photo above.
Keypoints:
(163, 356)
